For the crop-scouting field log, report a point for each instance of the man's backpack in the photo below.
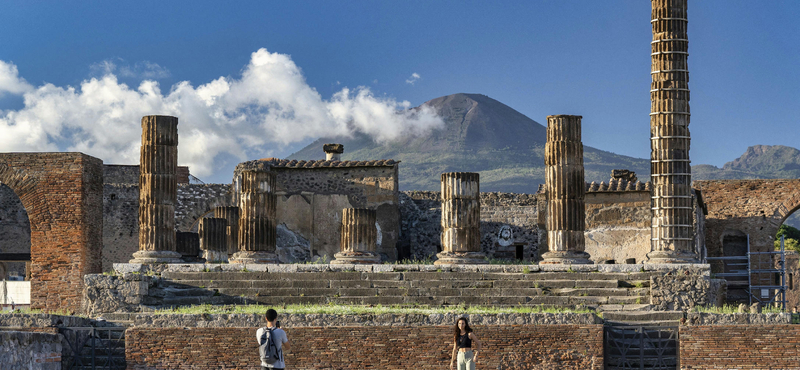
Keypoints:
(267, 348)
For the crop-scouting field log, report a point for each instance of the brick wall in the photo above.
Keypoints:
(62, 194)
(740, 347)
(426, 347)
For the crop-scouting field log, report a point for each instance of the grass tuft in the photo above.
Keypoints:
(361, 310)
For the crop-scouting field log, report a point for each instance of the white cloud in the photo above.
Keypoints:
(139, 70)
(10, 82)
(268, 107)
(414, 77)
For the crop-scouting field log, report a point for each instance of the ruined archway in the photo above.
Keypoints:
(192, 207)
(62, 193)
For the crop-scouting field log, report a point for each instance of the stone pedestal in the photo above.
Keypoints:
(257, 227)
(565, 190)
(158, 191)
(461, 219)
(231, 214)
(213, 239)
(188, 245)
(359, 237)
(672, 214)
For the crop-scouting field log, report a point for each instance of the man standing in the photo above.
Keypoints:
(278, 336)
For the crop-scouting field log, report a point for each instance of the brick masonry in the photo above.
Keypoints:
(62, 194)
(740, 347)
(420, 347)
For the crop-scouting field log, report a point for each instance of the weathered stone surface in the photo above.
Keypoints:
(292, 247)
(257, 219)
(461, 215)
(700, 318)
(676, 292)
(30, 351)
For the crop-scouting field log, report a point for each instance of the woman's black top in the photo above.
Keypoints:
(464, 341)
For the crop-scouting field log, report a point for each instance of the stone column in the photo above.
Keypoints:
(461, 219)
(158, 191)
(188, 245)
(257, 227)
(359, 237)
(232, 230)
(213, 240)
(670, 167)
(565, 189)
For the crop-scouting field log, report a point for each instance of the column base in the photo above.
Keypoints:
(671, 257)
(214, 256)
(460, 258)
(254, 257)
(146, 257)
(566, 258)
(342, 258)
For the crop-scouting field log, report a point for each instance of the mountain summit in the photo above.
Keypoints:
(482, 135)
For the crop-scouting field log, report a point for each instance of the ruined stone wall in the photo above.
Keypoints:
(682, 292)
(740, 347)
(30, 351)
(618, 225)
(129, 174)
(427, 347)
(310, 203)
(753, 207)
(62, 194)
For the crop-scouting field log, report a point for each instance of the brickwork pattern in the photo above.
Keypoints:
(418, 347)
(740, 347)
(62, 194)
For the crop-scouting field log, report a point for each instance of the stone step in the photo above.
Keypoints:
(623, 307)
(642, 323)
(628, 316)
(591, 292)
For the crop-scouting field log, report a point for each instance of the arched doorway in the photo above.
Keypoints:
(15, 251)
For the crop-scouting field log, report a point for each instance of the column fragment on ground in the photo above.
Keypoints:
(359, 237)
(158, 191)
(461, 219)
(231, 214)
(565, 189)
(257, 227)
(213, 239)
(671, 225)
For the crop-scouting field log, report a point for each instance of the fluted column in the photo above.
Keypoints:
(213, 240)
(359, 237)
(188, 245)
(158, 191)
(565, 189)
(670, 167)
(257, 227)
(461, 219)
(231, 214)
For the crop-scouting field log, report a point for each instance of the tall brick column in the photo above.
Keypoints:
(670, 167)
(213, 239)
(257, 227)
(461, 219)
(565, 189)
(359, 237)
(232, 230)
(158, 191)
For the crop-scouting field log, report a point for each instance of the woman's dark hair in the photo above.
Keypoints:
(457, 331)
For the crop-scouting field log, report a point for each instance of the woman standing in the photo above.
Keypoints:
(465, 346)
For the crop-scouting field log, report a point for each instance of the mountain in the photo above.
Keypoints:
(758, 162)
(482, 135)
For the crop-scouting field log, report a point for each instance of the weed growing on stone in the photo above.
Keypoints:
(729, 309)
(406, 261)
(526, 270)
(333, 309)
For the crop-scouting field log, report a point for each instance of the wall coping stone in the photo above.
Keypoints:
(703, 318)
(687, 269)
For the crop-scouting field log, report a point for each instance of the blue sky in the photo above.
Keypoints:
(263, 78)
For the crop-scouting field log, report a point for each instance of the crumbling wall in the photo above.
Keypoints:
(683, 290)
(618, 225)
(15, 231)
(30, 351)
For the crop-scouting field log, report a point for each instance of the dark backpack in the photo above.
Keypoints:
(267, 348)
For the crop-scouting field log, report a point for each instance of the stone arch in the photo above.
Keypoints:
(200, 208)
(62, 194)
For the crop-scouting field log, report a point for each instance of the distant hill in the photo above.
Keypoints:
(758, 162)
(480, 135)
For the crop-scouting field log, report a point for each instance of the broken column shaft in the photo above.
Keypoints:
(461, 219)
(213, 240)
(359, 237)
(565, 188)
(158, 191)
(231, 214)
(670, 167)
(257, 227)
